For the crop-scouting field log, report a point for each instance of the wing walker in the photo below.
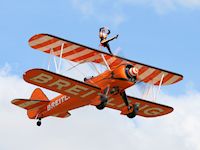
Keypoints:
(107, 89)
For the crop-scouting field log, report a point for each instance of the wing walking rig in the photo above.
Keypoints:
(105, 90)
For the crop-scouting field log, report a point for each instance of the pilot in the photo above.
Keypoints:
(103, 34)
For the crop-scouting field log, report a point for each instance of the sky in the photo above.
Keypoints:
(163, 34)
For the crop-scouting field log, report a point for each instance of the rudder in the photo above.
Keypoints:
(38, 94)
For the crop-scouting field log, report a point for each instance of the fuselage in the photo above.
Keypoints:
(117, 78)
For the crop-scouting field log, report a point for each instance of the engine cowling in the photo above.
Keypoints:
(125, 72)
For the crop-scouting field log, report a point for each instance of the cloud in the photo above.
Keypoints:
(89, 128)
(163, 6)
(85, 7)
(106, 12)
(189, 3)
(115, 12)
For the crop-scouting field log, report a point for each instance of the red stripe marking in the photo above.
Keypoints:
(48, 51)
(73, 51)
(58, 48)
(100, 60)
(116, 62)
(66, 44)
(131, 72)
(19, 102)
(84, 56)
(107, 56)
(179, 79)
(165, 79)
(45, 43)
(36, 37)
(142, 70)
(151, 76)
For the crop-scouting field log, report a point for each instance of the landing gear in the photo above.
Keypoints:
(134, 109)
(103, 99)
(134, 112)
(39, 122)
(103, 103)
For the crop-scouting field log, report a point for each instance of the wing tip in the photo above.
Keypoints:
(14, 101)
(36, 36)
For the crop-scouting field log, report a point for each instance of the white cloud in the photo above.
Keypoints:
(163, 6)
(85, 7)
(89, 128)
(106, 12)
(114, 12)
(5, 70)
(189, 3)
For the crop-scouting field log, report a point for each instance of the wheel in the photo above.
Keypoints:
(101, 106)
(39, 123)
(134, 112)
(103, 99)
(131, 115)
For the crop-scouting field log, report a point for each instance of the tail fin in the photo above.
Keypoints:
(38, 94)
(37, 101)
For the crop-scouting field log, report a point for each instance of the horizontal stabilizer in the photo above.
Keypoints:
(29, 104)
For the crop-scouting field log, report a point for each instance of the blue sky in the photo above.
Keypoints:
(165, 34)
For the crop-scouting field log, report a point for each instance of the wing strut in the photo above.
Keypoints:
(158, 91)
(57, 65)
(125, 99)
(104, 59)
(151, 89)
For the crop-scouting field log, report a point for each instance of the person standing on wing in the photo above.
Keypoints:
(103, 34)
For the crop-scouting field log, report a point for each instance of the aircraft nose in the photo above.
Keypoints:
(133, 71)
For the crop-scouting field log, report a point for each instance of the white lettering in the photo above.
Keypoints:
(60, 84)
(75, 90)
(153, 111)
(88, 93)
(57, 102)
(42, 78)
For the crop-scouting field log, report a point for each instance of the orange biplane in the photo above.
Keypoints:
(105, 90)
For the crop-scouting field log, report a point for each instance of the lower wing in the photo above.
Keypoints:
(82, 92)
(85, 94)
(146, 108)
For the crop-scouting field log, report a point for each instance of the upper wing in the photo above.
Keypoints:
(146, 108)
(80, 53)
(71, 51)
